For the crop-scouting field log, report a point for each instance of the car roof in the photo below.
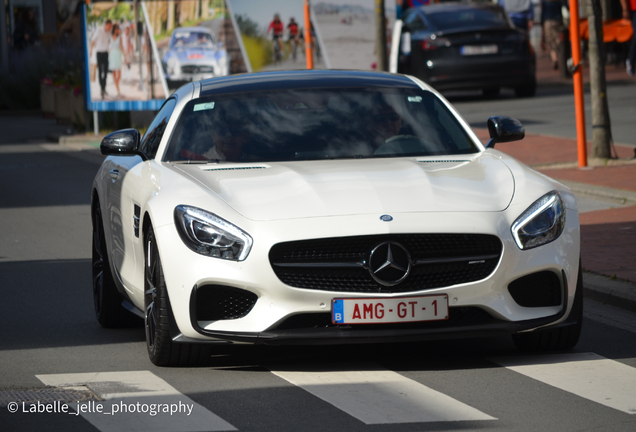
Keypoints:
(282, 80)
(192, 29)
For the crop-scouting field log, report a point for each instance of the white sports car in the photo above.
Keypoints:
(328, 207)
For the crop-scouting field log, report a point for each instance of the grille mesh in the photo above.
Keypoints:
(217, 302)
(357, 250)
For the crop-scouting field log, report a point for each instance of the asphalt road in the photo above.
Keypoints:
(51, 338)
(551, 112)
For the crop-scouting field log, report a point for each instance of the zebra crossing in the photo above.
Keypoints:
(374, 395)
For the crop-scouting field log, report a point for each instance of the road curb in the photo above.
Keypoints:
(612, 292)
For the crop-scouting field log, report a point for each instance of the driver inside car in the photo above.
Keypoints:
(385, 123)
(229, 140)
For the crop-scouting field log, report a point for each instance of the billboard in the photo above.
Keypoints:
(123, 71)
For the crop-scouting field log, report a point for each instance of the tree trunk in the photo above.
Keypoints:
(601, 127)
(380, 35)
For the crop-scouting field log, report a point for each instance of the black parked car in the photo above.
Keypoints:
(466, 46)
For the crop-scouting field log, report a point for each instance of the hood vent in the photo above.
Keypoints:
(234, 168)
(443, 161)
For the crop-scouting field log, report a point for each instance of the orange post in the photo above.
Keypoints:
(308, 39)
(577, 78)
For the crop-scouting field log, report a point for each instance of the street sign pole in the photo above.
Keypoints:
(577, 78)
(308, 39)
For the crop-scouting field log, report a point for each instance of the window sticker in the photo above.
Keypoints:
(203, 106)
(415, 98)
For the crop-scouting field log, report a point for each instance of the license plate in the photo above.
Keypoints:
(479, 49)
(389, 310)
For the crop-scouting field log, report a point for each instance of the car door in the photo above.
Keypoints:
(125, 212)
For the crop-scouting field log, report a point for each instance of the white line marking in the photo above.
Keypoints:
(379, 396)
(135, 391)
(587, 375)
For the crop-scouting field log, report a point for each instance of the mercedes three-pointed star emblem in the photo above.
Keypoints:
(389, 263)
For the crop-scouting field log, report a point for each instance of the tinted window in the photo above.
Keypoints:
(152, 138)
(468, 18)
(310, 124)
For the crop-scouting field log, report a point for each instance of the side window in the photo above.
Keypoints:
(152, 138)
(414, 22)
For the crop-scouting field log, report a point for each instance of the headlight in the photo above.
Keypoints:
(541, 223)
(207, 234)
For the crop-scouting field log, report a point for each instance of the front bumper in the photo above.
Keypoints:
(276, 302)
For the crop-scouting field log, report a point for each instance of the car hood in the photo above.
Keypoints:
(289, 190)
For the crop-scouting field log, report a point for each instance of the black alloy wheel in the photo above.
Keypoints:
(161, 349)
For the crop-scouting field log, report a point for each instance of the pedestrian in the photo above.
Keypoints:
(521, 13)
(116, 56)
(552, 27)
(629, 12)
(100, 43)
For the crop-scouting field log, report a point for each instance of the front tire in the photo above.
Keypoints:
(106, 299)
(558, 339)
(161, 349)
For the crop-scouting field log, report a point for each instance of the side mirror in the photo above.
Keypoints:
(123, 142)
(504, 129)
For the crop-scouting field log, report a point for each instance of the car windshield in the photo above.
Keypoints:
(187, 39)
(468, 18)
(313, 124)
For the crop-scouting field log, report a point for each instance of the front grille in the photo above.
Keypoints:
(458, 316)
(539, 289)
(342, 264)
(218, 302)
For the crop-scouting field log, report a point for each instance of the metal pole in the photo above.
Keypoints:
(4, 40)
(309, 55)
(577, 78)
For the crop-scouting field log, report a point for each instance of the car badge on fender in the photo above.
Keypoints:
(389, 263)
(386, 218)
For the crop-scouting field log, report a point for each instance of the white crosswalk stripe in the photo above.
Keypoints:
(587, 375)
(367, 392)
(379, 396)
(139, 401)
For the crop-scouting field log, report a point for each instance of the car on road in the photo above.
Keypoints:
(328, 207)
(457, 46)
(193, 55)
